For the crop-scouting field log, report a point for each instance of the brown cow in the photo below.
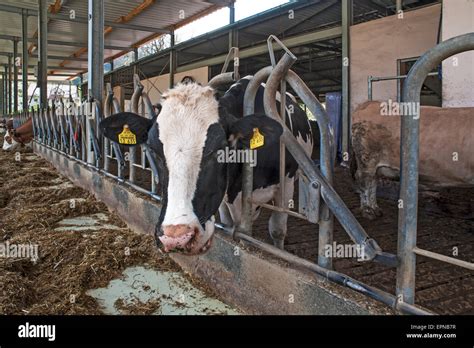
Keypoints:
(446, 149)
(19, 136)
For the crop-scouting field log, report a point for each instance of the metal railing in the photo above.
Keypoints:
(319, 181)
(70, 130)
(372, 79)
(409, 161)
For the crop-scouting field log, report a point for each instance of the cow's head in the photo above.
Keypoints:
(186, 137)
(9, 142)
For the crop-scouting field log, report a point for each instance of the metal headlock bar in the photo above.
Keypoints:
(74, 137)
(320, 181)
(409, 160)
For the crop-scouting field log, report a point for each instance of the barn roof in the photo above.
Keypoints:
(128, 24)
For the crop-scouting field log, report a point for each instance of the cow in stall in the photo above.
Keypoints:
(18, 137)
(446, 149)
(187, 138)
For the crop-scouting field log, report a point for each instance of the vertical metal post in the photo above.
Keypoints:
(283, 204)
(9, 84)
(346, 122)
(15, 76)
(245, 225)
(80, 91)
(24, 59)
(95, 46)
(399, 6)
(2, 94)
(172, 60)
(369, 87)
(232, 32)
(409, 159)
(43, 52)
(5, 88)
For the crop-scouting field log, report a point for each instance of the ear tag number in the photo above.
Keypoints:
(257, 139)
(127, 137)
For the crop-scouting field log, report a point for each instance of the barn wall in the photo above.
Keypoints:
(161, 82)
(376, 46)
(458, 71)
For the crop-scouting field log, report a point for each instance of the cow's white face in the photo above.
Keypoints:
(187, 114)
(9, 143)
(186, 138)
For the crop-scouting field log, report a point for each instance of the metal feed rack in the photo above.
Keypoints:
(72, 133)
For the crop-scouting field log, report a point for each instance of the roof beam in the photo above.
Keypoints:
(378, 7)
(66, 43)
(326, 5)
(123, 19)
(4, 53)
(263, 48)
(54, 14)
(114, 25)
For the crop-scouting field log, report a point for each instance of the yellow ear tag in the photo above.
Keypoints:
(127, 137)
(257, 139)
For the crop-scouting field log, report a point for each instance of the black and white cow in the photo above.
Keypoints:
(186, 138)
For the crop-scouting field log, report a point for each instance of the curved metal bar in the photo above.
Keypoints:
(137, 93)
(116, 106)
(252, 89)
(148, 105)
(108, 100)
(332, 199)
(270, 40)
(107, 113)
(221, 79)
(336, 277)
(409, 158)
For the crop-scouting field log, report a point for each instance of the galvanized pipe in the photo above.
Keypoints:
(221, 80)
(112, 103)
(332, 199)
(172, 59)
(15, 76)
(95, 49)
(252, 89)
(372, 79)
(10, 109)
(5, 89)
(333, 276)
(107, 113)
(148, 105)
(399, 6)
(278, 74)
(43, 52)
(146, 150)
(409, 159)
(282, 169)
(138, 89)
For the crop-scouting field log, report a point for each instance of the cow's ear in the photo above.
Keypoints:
(126, 128)
(255, 131)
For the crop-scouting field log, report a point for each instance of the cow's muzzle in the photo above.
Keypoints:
(189, 239)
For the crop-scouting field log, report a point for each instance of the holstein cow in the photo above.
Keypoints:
(446, 149)
(188, 138)
(16, 137)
